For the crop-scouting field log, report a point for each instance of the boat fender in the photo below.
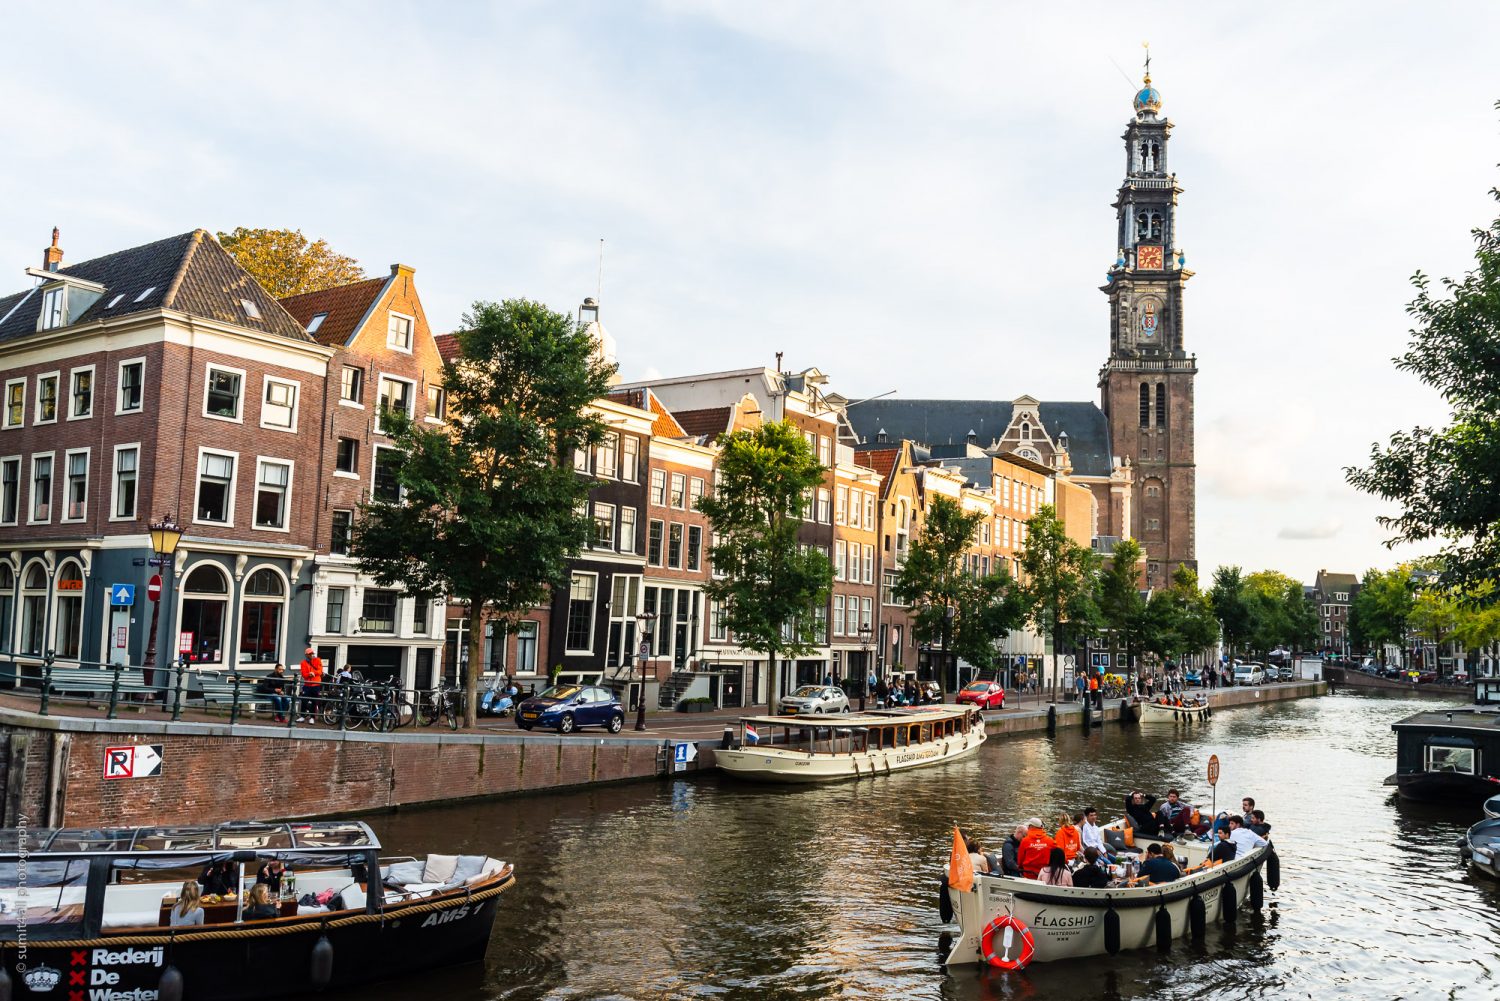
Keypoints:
(169, 987)
(1273, 870)
(1163, 928)
(1125, 719)
(1052, 721)
(1257, 891)
(1208, 712)
(321, 966)
(1008, 929)
(1197, 917)
(1464, 851)
(7, 986)
(1111, 930)
(1228, 903)
(945, 903)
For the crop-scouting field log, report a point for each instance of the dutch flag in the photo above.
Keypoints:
(751, 736)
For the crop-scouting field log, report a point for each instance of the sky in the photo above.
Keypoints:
(911, 197)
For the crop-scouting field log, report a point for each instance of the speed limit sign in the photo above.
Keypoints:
(1213, 769)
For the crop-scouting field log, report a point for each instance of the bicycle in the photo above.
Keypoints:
(444, 702)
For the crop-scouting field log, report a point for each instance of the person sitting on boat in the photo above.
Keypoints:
(1247, 807)
(270, 873)
(1258, 823)
(1224, 849)
(1156, 868)
(1170, 854)
(188, 910)
(1245, 840)
(1091, 875)
(1174, 813)
(1056, 871)
(217, 879)
(1068, 837)
(1010, 852)
(1091, 835)
(977, 858)
(1138, 813)
(259, 906)
(1036, 849)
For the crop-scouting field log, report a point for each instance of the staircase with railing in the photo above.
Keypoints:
(673, 689)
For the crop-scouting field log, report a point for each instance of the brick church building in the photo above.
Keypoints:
(1134, 449)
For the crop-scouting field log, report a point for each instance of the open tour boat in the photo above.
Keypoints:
(851, 746)
(86, 913)
(1171, 710)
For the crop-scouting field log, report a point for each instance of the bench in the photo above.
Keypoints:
(218, 691)
(98, 682)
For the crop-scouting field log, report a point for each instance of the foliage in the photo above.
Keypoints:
(1381, 608)
(768, 583)
(1227, 596)
(1447, 480)
(1122, 610)
(932, 579)
(491, 507)
(285, 263)
(1059, 580)
(989, 608)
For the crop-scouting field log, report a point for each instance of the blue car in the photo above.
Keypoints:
(567, 707)
(1192, 677)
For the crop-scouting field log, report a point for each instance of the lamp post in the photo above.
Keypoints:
(646, 621)
(165, 535)
(865, 632)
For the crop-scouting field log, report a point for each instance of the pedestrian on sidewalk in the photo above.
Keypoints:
(312, 684)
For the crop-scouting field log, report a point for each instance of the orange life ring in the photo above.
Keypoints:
(1003, 961)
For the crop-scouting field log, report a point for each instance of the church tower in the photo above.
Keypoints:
(1147, 384)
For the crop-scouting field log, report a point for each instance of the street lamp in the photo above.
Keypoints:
(645, 620)
(165, 535)
(865, 632)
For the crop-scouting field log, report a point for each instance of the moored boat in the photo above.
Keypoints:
(88, 912)
(1451, 754)
(1172, 711)
(1481, 846)
(850, 746)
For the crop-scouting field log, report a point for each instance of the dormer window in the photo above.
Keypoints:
(54, 308)
(316, 322)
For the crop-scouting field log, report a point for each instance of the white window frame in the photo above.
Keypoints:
(120, 385)
(31, 518)
(411, 332)
(343, 473)
(72, 389)
(630, 447)
(677, 492)
(20, 462)
(234, 478)
(57, 399)
(869, 554)
(593, 612)
(286, 496)
(266, 383)
(359, 403)
(841, 504)
(114, 482)
(67, 484)
(442, 397)
(208, 378)
(869, 510)
(658, 487)
(840, 553)
(602, 508)
(623, 544)
(411, 397)
(5, 420)
(57, 294)
(609, 445)
(838, 615)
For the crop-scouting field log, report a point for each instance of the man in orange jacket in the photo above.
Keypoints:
(1036, 849)
(312, 684)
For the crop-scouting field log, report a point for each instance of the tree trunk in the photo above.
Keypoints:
(771, 672)
(470, 679)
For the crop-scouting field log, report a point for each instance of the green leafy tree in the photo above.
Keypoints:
(285, 262)
(1122, 610)
(489, 505)
(988, 609)
(1181, 618)
(1447, 480)
(1381, 609)
(1227, 596)
(1059, 582)
(769, 585)
(932, 580)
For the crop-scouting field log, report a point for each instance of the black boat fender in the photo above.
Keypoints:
(1208, 712)
(169, 987)
(320, 970)
(1052, 721)
(7, 986)
(1228, 902)
(1111, 928)
(1257, 891)
(1273, 870)
(1197, 917)
(1163, 927)
(945, 903)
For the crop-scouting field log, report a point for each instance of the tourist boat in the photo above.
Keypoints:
(827, 748)
(1481, 846)
(1164, 709)
(85, 913)
(1065, 922)
(1451, 754)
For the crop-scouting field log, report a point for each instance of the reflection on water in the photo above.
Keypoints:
(718, 889)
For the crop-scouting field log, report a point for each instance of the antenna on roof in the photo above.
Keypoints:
(599, 287)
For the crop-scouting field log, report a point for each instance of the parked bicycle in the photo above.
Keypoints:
(360, 704)
(445, 702)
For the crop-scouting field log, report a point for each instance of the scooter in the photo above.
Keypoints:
(495, 702)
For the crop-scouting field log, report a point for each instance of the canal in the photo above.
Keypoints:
(712, 889)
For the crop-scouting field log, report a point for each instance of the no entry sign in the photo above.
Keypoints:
(153, 587)
(132, 761)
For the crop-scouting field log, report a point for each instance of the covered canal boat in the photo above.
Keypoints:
(1451, 754)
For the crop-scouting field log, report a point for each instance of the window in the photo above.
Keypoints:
(333, 616)
(1153, 490)
(342, 533)
(526, 636)
(33, 610)
(437, 402)
(46, 398)
(607, 455)
(870, 511)
(387, 482)
(838, 615)
(659, 487)
(627, 529)
(841, 505)
(7, 607)
(869, 564)
(273, 484)
(250, 308)
(851, 620)
(10, 492)
(1145, 405)
(395, 395)
(694, 547)
(81, 393)
(825, 450)
(1161, 404)
(347, 458)
(1153, 524)
(54, 307)
(853, 574)
(679, 490)
(41, 487)
(205, 600)
(655, 535)
(718, 628)
(604, 526)
(132, 382)
(825, 506)
(1462, 760)
(279, 407)
(379, 612)
(67, 634)
(215, 487)
(77, 485)
(695, 492)
(352, 385)
(15, 403)
(674, 546)
(630, 458)
(223, 399)
(419, 608)
(580, 460)
(312, 328)
(580, 634)
(147, 291)
(398, 332)
(838, 559)
(260, 617)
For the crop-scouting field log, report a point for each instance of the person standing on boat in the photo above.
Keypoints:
(216, 878)
(1244, 840)
(1138, 813)
(1010, 852)
(1036, 849)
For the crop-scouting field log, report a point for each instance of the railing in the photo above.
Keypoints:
(1189, 364)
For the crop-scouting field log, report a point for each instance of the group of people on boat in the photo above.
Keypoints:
(219, 883)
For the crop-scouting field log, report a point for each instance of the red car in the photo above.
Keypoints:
(984, 694)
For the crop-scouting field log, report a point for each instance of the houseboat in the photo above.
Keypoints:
(1451, 754)
(88, 913)
(828, 748)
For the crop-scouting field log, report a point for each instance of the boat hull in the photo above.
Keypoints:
(1437, 787)
(1481, 846)
(1153, 712)
(772, 763)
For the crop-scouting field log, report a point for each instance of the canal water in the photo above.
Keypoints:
(712, 889)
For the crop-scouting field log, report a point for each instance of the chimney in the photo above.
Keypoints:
(52, 256)
(881, 436)
(972, 437)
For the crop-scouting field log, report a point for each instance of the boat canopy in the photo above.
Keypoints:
(236, 835)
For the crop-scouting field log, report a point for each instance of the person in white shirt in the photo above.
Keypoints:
(1090, 833)
(1245, 840)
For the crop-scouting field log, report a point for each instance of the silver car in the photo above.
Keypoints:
(815, 699)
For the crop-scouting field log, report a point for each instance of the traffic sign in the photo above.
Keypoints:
(682, 753)
(121, 595)
(153, 587)
(133, 761)
(1213, 769)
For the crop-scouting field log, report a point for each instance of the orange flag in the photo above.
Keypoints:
(960, 866)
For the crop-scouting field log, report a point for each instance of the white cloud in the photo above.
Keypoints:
(1325, 528)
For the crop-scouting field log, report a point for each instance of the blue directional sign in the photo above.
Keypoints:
(121, 594)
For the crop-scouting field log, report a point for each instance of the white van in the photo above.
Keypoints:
(1249, 674)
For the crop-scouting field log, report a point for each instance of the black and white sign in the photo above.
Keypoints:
(132, 761)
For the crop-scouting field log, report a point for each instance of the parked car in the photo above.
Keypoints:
(1192, 677)
(567, 707)
(1285, 673)
(984, 694)
(815, 699)
(1249, 674)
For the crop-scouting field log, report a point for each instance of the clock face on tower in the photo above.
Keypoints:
(1148, 257)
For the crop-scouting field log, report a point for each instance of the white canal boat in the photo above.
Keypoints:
(1166, 710)
(820, 748)
(1063, 922)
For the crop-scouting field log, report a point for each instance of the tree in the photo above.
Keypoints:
(1447, 481)
(1279, 612)
(1381, 609)
(769, 585)
(1227, 596)
(285, 263)
(1121, 607)
(988, 608)
(1059, 581)
(489, 505)
(932, 579)
(1193, 627)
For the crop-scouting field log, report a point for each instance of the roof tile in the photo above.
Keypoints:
(344, 306)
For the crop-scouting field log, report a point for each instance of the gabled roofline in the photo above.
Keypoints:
(370, 310)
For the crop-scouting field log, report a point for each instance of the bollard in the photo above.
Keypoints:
(114, 695)
(177, 695)
(1125, 719)
(47, 680)
(1052, 721)
(1088, 716)
(234, 702)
